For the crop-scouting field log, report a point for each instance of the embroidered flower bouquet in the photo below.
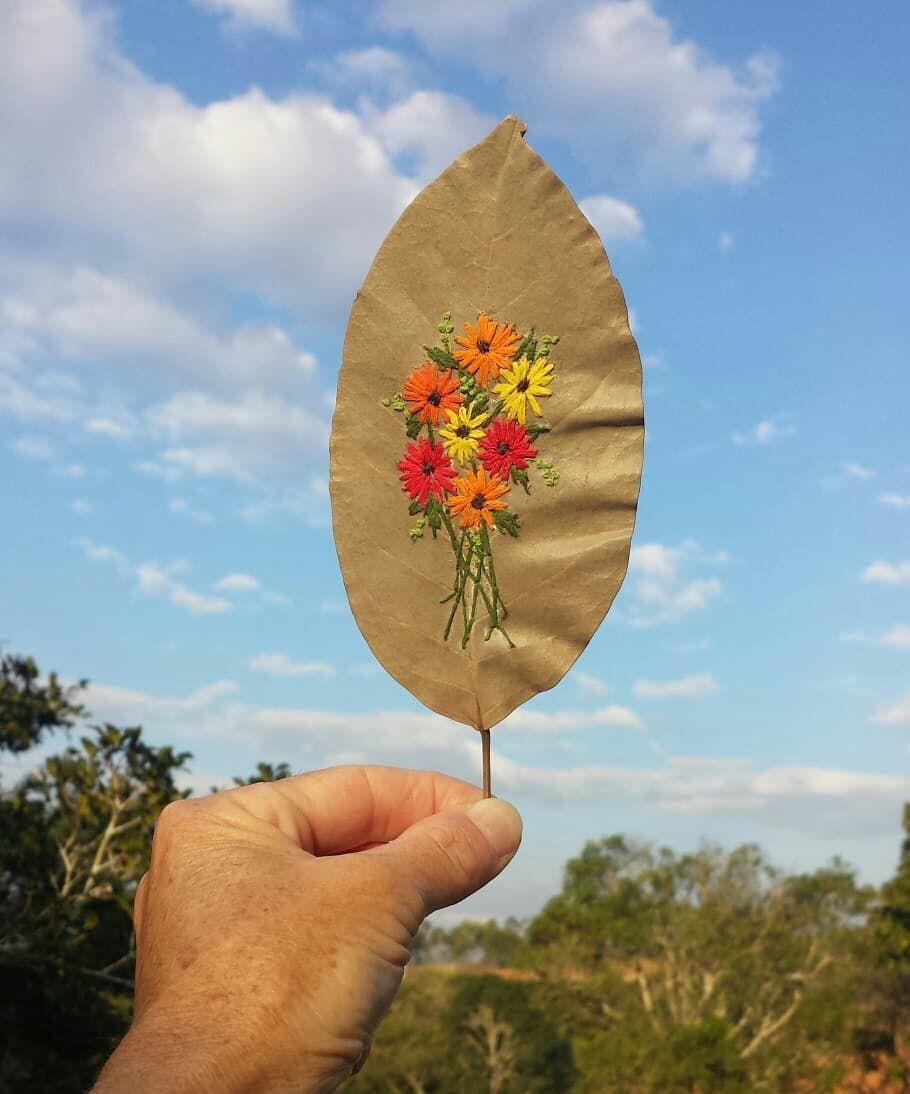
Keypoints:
(470, 441)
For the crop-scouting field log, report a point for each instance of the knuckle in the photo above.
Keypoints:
(460, 845)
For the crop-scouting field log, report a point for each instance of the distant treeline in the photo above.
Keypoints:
(709, 973)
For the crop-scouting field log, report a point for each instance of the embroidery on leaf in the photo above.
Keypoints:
(478, 397)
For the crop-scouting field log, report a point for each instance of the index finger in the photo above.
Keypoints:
(338, 809)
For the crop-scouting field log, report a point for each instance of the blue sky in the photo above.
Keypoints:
(191, 193)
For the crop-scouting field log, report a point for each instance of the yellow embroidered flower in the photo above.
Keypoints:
(462, 434)
(524, 383)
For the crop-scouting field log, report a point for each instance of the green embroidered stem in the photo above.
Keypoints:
(495, 621)
(469, 625)
(447, 521)
(458, 593)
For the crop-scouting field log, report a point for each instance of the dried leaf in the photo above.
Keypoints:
(496, 233)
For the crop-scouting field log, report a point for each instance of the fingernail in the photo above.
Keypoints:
(500, 823)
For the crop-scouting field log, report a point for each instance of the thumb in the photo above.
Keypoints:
(449, 855)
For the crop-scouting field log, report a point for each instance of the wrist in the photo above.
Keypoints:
(163, 1054)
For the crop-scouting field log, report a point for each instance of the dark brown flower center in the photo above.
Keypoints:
(523, 385)
(462, 431)
(482, 346)
(429, 468)
(479, 501)
(435, 398)
(503, 447)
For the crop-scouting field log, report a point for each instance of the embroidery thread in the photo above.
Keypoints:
(466, 411)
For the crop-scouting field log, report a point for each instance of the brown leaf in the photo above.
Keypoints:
(497, 232)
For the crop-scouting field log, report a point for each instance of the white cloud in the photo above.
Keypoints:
(238, 583)
(857, 471)
(895, 501)
(129, 706)
(185, 508)
(764, 432)
(848, 472)
(198, 173)
(725, 241)
(280, 664)
(888, 573)
(154, 469)
(897, 714)
(613, 77)
(665, 593)
(109, 427)
(816, 800)
(33, 448)
(71, 470)
(83, 315)
(896, 637)
(273, 15)
(431, 126)
(252, 437)
(539, 721)
(82, 507)
(308, 502)
(375, 69)
(614, 219)
(153, 580)
(591, 687)
(696, 686)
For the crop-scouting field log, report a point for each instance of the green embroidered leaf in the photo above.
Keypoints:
(520, 478)
(470, 244)
(446, 360)
(507, 522)
(434, 514)
(527, 347)
(413, 426)
(414, 508)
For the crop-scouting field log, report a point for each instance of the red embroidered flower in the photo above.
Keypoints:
(426, 469)
(505, 445)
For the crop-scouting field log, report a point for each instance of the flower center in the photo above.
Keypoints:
(502, 448)
(429, 468)
(435, 398)
(462, 431)
(523, 385)
(482, 346)
(478, 501)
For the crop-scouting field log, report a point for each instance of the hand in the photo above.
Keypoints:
(273, 926)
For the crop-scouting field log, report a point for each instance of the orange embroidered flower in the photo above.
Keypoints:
(475, 498)
(487, 349)
(431, 391)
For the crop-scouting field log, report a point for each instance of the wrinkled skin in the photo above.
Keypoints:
(274, 924)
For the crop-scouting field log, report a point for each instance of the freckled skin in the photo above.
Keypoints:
(275, 921)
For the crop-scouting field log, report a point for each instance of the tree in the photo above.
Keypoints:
(30, 707)
(704, 962)
(890, 923)
(74, 840)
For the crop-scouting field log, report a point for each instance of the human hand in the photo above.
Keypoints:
(273, 926)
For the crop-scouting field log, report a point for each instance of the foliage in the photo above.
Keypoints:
(74, 841)
(29, 706)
